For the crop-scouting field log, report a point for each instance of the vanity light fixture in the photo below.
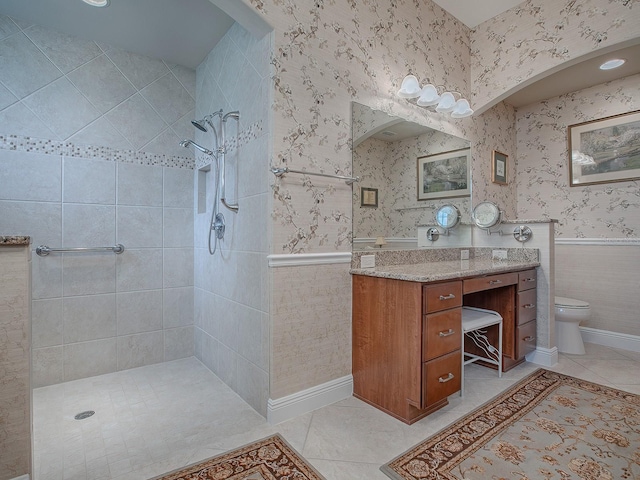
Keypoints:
(428, 96)
(613, 63)
(97, 3)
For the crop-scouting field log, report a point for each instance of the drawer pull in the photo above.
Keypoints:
(528, 279)
(529, 305)
(447, 378)
(447, 333)
(529, 338)
(447, 297)
(494, 282)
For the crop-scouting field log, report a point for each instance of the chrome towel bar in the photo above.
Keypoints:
(43, 250)
(279, 172)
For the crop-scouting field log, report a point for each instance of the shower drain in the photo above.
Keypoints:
(83, 415)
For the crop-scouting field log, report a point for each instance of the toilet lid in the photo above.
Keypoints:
(570, 303)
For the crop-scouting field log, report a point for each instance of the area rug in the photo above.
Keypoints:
(271, 458)
(548, 426)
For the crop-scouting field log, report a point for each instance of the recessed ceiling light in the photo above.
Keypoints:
(97, 3)
(609, 64)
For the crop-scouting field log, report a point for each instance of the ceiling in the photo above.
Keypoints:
(181, 32)
(185, 31)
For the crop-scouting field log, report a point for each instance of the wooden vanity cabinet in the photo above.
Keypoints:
(407, 336)
(406, 344)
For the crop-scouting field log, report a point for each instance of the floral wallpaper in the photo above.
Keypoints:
(606, 210)
(327, 54)
(536, 36)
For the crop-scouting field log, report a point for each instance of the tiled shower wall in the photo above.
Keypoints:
(231, 287)
(89, 157)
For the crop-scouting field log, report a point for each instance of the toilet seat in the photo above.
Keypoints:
(565, 302)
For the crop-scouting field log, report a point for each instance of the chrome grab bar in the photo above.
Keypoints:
(44, 250)
(279, 172)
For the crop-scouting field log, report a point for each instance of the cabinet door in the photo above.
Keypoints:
(441, 378)
(525, 339)
(441, 333)
(526, 306)
(441, 296)
(489, 282)
(527, 280)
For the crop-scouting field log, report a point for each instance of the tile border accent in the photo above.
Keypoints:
(299, 259)
(611, 339)
(598, 241)
(305, 401)
(68, 149)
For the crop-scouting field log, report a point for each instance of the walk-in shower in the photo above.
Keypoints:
(217, 223)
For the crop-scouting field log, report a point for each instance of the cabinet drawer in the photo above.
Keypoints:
(525, 339)
(441, 333)
(491, 281)
(526, 306)
(441, 378)
(527, 280)
(441, 296)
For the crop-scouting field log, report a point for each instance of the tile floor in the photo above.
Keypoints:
(154, 419)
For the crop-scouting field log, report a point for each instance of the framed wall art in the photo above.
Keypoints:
(499, 167)
(368, 197)
(444, 175)
(605, 150)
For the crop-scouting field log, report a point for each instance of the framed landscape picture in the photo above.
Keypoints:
(444, 175)
(605, 150)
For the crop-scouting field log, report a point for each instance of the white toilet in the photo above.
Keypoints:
(569, 313)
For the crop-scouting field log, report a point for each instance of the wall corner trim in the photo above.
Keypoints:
(298, 259)
(607, 338)
(306, 401)
(545, 357)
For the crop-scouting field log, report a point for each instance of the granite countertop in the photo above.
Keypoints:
(6, 240)
(447, 270)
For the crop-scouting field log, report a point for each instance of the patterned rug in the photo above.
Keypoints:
(548, 427)
(271, 458)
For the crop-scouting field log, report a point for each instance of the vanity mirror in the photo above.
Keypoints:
(386, 156)
(486, 215)
(448, 216)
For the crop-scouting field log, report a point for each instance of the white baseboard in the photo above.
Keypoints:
(611, 339)
(545, 357)
(299, 403)
(22, 477)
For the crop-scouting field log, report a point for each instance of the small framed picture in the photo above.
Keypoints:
(499, 168)
(368, 197)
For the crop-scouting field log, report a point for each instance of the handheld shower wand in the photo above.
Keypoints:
(206, 151)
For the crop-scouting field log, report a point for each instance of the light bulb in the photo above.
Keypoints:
(428, 96)
(447, 103)
(461, 109)
(410, 87)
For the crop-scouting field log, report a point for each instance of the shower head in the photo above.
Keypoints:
(186, 143)
(199, 124)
